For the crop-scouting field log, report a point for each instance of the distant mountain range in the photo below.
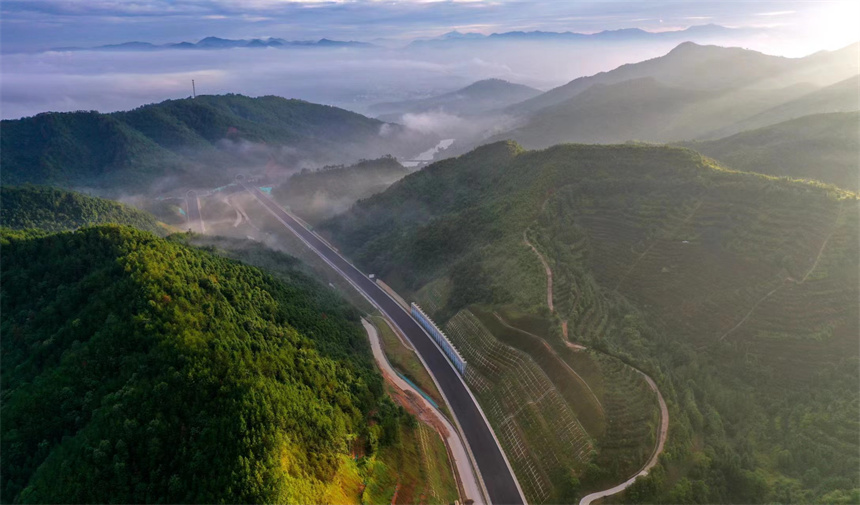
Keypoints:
(622, 35)
(219, 43)
(701, 33)
(695, 66)
(693, 92)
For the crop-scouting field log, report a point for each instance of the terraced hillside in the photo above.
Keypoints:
(534, 423)
(736, 292)
(825, 147)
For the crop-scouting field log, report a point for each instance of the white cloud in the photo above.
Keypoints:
(775, 13)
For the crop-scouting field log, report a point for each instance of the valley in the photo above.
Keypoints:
(589, 266)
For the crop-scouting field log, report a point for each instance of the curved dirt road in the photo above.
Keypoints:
(548, 272)
(661, 441)
(664, 410)
(457, 451)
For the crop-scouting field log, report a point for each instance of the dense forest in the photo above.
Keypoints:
(206, 139)
(139, 369)
(320, 194)
(55, 209)
(735, 291)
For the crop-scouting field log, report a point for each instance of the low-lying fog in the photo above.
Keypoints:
(352, 78)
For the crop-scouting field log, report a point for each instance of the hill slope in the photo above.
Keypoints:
(320, 194)
(207, 139)
(737, 292)
(825, 147)
(476, 98)
(136, 369)
(54, 209)
(843, 96)
(693, 66)
(642, 109)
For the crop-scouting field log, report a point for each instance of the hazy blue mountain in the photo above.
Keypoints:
(712, 67)
(478, 97)
(219, 43)
(642, 109)
(844, 96)
(621, 35)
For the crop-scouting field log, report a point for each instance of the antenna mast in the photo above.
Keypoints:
(193, 90)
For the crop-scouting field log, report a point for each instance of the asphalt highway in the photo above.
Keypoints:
(498, 478)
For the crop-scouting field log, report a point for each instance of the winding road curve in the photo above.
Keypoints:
(548, 273)
(664, 410)
(492, 466)
(655, 456)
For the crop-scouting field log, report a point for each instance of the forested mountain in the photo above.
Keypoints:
(137, 369)
(55, 209)
(476, 98)
(642, 109)
(320, 194)
(693, 66)
(737, 292)
(692, 93)
(825, 147)
(205, 140)
(842, 96)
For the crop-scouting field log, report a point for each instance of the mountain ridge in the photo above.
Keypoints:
(193, 141)
(215, 43)
(699, 66)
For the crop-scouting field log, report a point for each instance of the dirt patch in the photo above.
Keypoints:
(416, 406)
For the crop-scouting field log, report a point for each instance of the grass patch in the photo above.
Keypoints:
(405, 361)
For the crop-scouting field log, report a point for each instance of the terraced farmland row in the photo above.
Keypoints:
(537, 429)
(632, 420)
(733, 245)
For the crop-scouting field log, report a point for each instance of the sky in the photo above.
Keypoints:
(30, 25)
(36, 79)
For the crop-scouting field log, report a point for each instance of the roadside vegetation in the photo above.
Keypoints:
(405, 361)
